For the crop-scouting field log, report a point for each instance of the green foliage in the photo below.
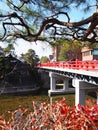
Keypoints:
(2, 67)
(6, 66)
(44, 59)
(70, 50)
(9, 49)
(90, 45)
(31, 57)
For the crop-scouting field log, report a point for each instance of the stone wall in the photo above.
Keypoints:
(45, 79)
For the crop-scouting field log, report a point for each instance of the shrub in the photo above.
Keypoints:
(58, 116)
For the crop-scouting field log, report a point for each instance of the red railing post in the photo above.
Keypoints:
(77, 64)
(86, 65)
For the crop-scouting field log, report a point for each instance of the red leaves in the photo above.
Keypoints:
(58, 116)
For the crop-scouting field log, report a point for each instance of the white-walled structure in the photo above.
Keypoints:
(89, 54)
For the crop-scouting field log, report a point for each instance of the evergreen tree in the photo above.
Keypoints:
(47, 20)
(31, 57)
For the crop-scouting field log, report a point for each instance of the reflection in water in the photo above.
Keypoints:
(51, 102)
(51, 99)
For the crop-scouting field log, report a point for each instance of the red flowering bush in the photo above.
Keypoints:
(58, 116)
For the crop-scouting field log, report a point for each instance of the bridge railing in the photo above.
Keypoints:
(84, 65)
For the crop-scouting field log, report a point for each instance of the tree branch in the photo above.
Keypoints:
(74, 27)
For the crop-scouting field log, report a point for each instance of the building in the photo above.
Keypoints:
(89, 54)
(56, 51)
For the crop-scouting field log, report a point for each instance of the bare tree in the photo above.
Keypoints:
(34, 20)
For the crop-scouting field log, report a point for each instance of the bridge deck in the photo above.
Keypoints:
(85, 70)
(93, 73)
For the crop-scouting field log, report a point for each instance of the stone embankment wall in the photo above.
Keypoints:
(45, 79)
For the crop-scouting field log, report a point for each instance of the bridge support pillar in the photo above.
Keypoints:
(97, 97)
(79, 92)
(53, 85)
(66, 84)
(52, 81)
(81, 88)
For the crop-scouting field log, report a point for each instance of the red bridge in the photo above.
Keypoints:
(79, 65)
(84, 76)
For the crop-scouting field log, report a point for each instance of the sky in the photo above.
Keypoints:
(21, 47)
(43, 49)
